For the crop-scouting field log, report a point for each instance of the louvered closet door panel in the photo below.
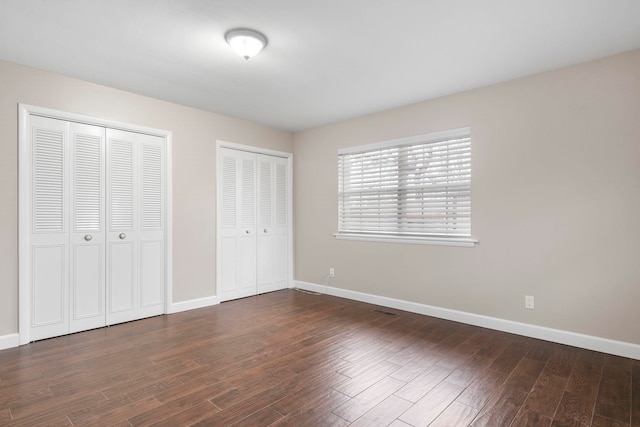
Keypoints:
(136, 188)
(247, 231)
(87, 233)
(273, 223)
(122, 231)
(49, 246)
(95, 200)
(228, 247)
(151, 190)
(237, 224)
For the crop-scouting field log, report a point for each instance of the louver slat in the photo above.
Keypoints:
(229, 192)
(87, 182)
(248, 193)
(48, 181)
(151, 187)
(121, 185)
(265, 194)
(281, 194)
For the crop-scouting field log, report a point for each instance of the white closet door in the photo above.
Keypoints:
(253, 227)
(237, 224)
(92, 226)
(135, 246)
(68, 227)
(87, 232)
(273, 223)
(151, 190)
(49, 239)
(122, 231)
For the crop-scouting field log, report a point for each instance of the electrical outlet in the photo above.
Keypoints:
(332, 272)
(529, 302)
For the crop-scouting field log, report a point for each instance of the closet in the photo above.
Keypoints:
(254, 235)
(94, 201)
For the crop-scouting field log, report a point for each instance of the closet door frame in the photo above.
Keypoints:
(25, 111)
(254, 150)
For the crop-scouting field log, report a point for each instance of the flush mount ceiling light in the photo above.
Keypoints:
(246, 43)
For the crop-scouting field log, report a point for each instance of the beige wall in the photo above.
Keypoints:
(556, 195)
(555, 203)
(194, 136)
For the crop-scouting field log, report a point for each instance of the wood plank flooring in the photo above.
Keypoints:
(290, 358)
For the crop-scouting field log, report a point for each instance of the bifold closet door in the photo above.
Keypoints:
(67, 227)
(237, 224)
(96, 210)
(87, 231)
(135, 217)
(273, 225)
(253, 226)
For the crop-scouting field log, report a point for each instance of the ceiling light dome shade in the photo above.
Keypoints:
(246, 43)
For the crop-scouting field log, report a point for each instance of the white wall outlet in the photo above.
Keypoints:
(332, 272)
(529, 302)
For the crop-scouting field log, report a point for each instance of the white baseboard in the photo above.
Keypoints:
(9, 341)
(193, 304)
(618, 348)
(13, 340)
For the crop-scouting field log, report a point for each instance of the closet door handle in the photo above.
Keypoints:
(122, 236)
(266, 231)
(247, 231)
(88, 237)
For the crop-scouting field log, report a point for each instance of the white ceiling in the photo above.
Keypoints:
(326, 61)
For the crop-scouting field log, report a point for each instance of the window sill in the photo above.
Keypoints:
(437, 241)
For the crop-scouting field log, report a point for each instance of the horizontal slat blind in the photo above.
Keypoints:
(420, 188)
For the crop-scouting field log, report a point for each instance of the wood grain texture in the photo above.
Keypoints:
(614, 395)
(290, 358)
(579, 398)
(429, 407)
(455, 414)
(635, 394)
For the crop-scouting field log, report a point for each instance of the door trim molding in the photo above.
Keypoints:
(255, 150)
(25, 111)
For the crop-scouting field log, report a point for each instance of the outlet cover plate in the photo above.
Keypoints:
(529, 302)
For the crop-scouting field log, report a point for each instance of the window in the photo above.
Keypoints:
(414, 189)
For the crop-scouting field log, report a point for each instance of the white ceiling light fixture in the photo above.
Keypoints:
(245, 42)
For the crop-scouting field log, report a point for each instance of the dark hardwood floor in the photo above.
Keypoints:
(293, 359)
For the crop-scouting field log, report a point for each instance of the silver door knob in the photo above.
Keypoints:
(247, 231)
(122, 236)
(266, 231)
(88, 237)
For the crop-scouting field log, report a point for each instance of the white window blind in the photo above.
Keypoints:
(416, 188)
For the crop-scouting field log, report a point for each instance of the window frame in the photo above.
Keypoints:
(398, 236)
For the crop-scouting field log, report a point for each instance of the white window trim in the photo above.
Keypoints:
(407, 239)
(417, 240)
(432, 137)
